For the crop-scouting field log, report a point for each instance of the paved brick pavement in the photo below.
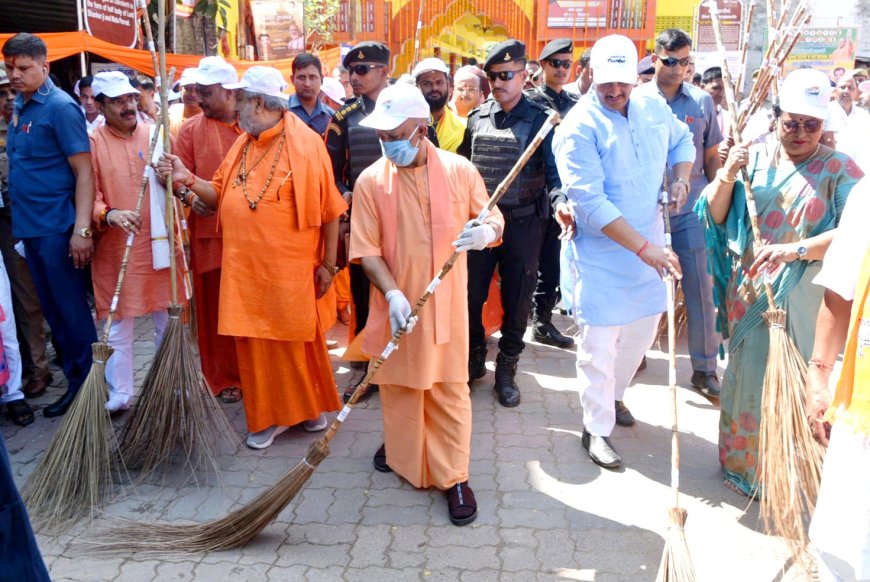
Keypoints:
(546, 511)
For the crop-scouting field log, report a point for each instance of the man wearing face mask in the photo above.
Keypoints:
(410, 205)
(497, 134)
(433, 78)
(51, 183)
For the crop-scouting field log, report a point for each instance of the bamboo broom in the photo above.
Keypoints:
(175, 410)
(790, 459)
(244, 524)
(676, 564)
(76, 472)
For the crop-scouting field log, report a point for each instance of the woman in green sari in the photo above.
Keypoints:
(800, 188)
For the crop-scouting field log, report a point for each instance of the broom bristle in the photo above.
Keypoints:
(681, 318)
(790, 459)
(676, 564)
(233, 531)
(176, 411)
(76, 473)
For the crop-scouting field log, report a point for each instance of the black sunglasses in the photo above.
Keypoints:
(362, 70)
(503, 75)
(672, 62)
(810, 125)
(556, 63)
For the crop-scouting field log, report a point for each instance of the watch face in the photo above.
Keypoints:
(802, 251)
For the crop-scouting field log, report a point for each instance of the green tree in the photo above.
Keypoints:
(320, 22)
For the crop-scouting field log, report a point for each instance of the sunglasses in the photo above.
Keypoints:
(810, 125)
(503, 75)
(672, 62)
(362, 70)
(556, 63)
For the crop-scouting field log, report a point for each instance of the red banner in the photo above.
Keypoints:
(113, 21)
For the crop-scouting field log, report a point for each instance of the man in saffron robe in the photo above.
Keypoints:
(203, 142)
(278, 209)
(409, 206)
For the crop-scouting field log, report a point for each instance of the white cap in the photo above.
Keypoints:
(333, 89)
(4, 79)
(112, 84)
(214, 71)
(806, 92)
(395, 105)
(188, 76)
(614, 60)
(863, 86)
(430, 65)
(262, 80)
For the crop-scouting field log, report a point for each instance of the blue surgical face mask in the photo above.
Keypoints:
(400, 152)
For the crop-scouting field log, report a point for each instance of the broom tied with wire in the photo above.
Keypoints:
(77, 471)
(176, 414)
(241, 526)
(790, 459)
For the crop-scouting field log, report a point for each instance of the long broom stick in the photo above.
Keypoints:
(244, 524)
(790, 458)
(175, 409)
(676, 564)
(76, 472)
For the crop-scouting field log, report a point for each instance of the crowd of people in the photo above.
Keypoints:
(342, 200)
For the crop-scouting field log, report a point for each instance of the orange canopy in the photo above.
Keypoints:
(64, 44)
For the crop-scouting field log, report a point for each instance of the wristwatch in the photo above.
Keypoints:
(801, 252)
(683, 180)
(333, 269)
(85, 232)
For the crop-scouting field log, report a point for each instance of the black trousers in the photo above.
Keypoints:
(517, 262)
(546, 292)
(360, 291)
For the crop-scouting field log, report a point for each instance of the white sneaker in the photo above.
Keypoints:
(118, 402)
(316, 425)
(264, 438)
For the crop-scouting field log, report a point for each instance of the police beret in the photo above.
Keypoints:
(557, 47)
(505, 52)
(645, 66)
(367, 52)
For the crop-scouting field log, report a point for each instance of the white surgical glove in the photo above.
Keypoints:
(474, 237)
(400, 309)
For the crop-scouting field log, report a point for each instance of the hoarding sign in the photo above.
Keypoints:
(827, 49)
(278, 27)
(113, 21)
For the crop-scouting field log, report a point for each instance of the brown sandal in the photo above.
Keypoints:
(461, 504)
(19, 412)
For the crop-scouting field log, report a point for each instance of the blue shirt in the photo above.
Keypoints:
(612, 166)
(695, 108)
(45, 131)
(319, 120)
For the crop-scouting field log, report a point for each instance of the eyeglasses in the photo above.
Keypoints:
(556, 63)
(362, 70)
(672, 62)
(809, 126)
(503, 75)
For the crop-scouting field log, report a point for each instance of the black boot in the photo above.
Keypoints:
(544, 332)
(476, 364)
(505, 380)
(59, 407)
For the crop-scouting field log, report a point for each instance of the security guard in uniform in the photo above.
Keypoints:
(556, 60)
(353, 148)
(496, 136)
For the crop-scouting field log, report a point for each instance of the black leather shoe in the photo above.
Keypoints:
(707, 383)
(601, 451)
(505, 380)
(371, 389)
(60, 407)
(546, 333)
(476, 364)
(380, 460)
(624, 417)
(35, 387)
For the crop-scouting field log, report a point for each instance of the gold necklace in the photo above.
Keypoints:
(243, 173)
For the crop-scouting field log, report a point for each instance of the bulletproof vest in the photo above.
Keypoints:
(495, 151)
(363, 147)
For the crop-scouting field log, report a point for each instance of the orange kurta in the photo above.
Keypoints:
(267, 297)
(119, 163)
(202, 145)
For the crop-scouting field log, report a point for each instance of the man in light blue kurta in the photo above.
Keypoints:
(611, 152)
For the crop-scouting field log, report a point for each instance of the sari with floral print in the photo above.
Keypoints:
(794, 202)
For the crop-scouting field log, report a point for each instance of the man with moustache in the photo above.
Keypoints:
(711, 82)
(611, 156)
(584, 76)
(467, 91)
(556, 59)
(51, 184)
(119, 154)
(433, 79)
(853, 122)
(306, 103)
(203, 142)
(279, 218)
(497, 134)
(85, 93)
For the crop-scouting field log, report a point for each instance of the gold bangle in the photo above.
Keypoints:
(722, 176)
(817, 363)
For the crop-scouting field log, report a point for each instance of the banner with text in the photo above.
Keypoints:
(278, 25)
(113, 21)
(825, 49)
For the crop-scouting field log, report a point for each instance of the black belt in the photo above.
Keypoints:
(520, 211)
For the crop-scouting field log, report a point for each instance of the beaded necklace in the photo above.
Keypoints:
(244, 173)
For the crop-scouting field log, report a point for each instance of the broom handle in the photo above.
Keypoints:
(670, 287)
(741, 75)
(500, 191)
(735, 129)
(129, 244)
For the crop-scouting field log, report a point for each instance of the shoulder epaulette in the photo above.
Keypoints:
(347, 110)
